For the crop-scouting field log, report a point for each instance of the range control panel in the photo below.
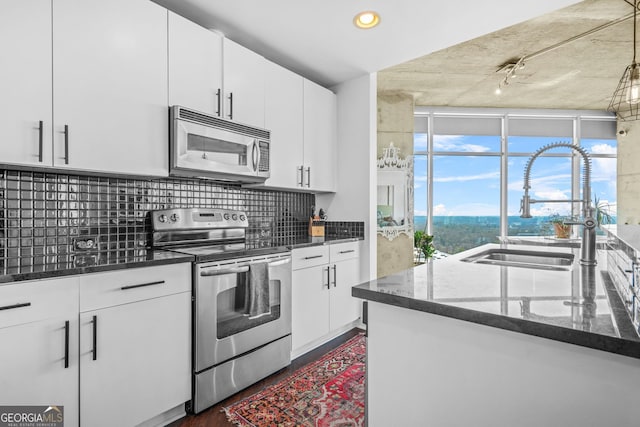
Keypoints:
(195, 218)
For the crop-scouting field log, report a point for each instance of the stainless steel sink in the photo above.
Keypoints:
(523, 258)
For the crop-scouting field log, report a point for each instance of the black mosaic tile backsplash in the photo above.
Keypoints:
(44, 213)
(344, 229)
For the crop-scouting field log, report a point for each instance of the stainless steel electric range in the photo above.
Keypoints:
(241, 300)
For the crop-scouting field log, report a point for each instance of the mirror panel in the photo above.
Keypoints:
(394, 194)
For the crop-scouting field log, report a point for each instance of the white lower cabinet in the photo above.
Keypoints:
(344, 308)
(39, 357)
(135, 344)
(113, 349)
(310, 305)
(321, 292)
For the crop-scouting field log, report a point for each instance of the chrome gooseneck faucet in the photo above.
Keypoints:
(588, 246)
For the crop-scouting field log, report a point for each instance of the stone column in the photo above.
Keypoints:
(628, 186)
(395, 124)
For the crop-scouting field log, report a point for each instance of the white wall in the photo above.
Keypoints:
(355, 196)
(438, 371)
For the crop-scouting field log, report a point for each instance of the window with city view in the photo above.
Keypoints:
(469, 172)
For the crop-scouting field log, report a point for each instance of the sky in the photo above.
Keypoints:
(470, 185)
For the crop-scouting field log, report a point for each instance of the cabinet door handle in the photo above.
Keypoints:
(66, 344)
(219, 97)
(230, 105)
(142, 285)
(66, 144)
(301, 182)
(309, 177)
(328, 278)
(9, 307)
(347, 252)
(95, 337)
(313, 257)
(40, 139)
(335, 276)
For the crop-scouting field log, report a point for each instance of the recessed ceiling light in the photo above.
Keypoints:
(366, 20)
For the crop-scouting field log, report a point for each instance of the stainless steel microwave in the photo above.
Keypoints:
(202, 145)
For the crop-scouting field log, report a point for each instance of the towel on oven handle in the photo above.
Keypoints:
(254, 293)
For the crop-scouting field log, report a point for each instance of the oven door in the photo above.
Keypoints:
(224, 327)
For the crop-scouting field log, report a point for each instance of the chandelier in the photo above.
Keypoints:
(626, 99)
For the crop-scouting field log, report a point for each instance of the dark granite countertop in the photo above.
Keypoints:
(92, 262)
(579, 306)
(315, 241)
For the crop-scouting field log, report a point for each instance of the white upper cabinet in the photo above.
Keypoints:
(195, 66)
(25, 83)
(244, 84)
(319, 138)
(301, 116)
(284, 118)
(110, 86)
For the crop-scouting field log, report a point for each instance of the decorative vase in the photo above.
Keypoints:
(562, 230)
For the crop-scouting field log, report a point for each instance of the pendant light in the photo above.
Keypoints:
(626, 99)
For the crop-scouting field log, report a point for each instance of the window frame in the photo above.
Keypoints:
(427, 115)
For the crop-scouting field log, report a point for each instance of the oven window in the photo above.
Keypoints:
(217, 150)
(244, 306)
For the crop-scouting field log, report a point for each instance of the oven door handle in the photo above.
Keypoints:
(224, 271)
(280, 262)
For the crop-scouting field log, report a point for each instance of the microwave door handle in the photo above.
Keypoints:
(254, 156)
(206, 273)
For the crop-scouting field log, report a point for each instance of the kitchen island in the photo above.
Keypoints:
(454, 343)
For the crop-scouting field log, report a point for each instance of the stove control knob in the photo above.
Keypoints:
(242, 217)
(234, 217)
(162, 218)
(226, 217)
(174, 217)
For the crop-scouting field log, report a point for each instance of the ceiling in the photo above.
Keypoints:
(319, 41)
(579, 74)
(440, 52)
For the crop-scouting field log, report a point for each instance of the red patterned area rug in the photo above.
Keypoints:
(326, 393)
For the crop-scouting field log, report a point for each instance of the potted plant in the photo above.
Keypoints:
(562, 230)
(602, 212)
(423, 243)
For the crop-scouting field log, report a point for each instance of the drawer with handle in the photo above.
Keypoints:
(342, 251)
(102, 290)
(309, 257)
(26, 302)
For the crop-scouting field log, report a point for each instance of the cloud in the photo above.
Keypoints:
(603, 149)
(551, 194)
(456, 143)
(440, 210)
(549, 209)
(543, 183)
(420, 141)
(420, 178)
(463, 178)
